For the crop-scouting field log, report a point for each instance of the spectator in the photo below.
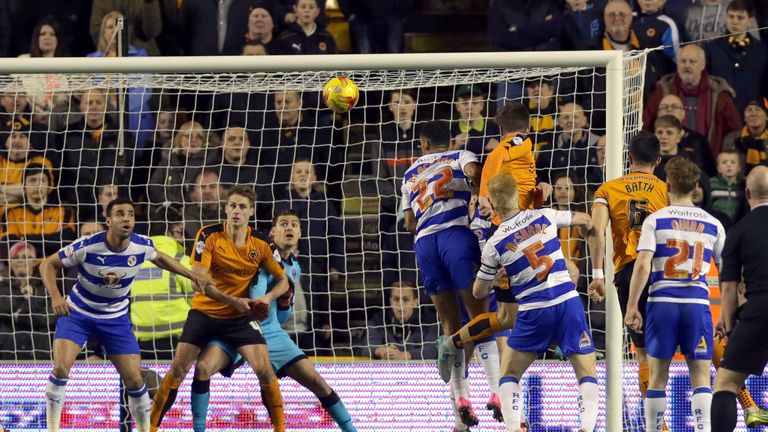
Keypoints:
(14, 108)
(238, 159)
(473, 131)
(567, 195)
(214, 28)
(254, 48)
(261, 29)
(169, 41)
(572, 147)
(89, 227)
(160, 302)
(25, 324)
(45, 226)
(669, 133)
(304, 36)
(205, 204)
(90, 154)
(700, 200)
(375, 26)
(582, 27)
(142, 19)
(753, 142)
(44, 91)
(708, 100)
(159, 146)
(13, 161)
(285, 13)
(739, 59)
(106, 193)
(654, 29)
(706, 20)
(542, 104)
(727, 188)
(321, 248)
(595, 167)
(188, 156)
(141, 122)
(404, 331)
(692, 141)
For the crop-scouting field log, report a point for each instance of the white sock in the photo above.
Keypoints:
(138, 405)
(458, 380)
(655, 406)
(488, 353)
(55, 391)
(701, 402)
(511, 397)
(589, 399)
(458, 425)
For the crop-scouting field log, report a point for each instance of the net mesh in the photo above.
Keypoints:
(185, 139)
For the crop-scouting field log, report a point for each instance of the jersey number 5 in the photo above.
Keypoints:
(671, 270)
(424, 200)
(536, 261)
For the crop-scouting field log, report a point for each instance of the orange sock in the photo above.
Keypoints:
(274, 400)
(483, 326)
(745, 399)
(643, 376)
(164, 399)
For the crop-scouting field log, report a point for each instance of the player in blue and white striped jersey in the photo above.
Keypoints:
(676, 246)
(436, 192)
(527, 246)
(97, 306)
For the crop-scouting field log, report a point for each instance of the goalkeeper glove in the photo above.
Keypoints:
(285, 301)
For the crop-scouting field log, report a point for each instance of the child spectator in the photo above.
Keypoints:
(654, 29)
(285, 13)
(706, 20)
(727, 188)
(753, 142)
(669, 131)
(304, 36)
(583, 26)
(692, 141)
(473, 131)
(739, 58)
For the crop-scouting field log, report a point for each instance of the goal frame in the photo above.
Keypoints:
(612, 61)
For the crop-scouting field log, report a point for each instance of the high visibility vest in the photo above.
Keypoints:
(160, 299)
(715, 302)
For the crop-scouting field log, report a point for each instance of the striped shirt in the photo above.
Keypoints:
(528, 247)
(104, 276)
(683, 239)
(436, 188)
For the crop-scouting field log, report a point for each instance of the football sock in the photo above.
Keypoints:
(745, 399)
(723, 412)
(138, 406)
(483, 326)
(488, 353)
(701, 405)
(511, 397)
(589, 397)
(55, 390)
(164, 399)
(458, 379)
(655, 406)
(200, 396)
(458, 424)
(335, 407)
(643, 375)
(274, 402)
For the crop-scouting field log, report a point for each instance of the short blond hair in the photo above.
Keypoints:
(502, 191)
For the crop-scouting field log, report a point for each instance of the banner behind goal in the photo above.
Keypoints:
(176, 142)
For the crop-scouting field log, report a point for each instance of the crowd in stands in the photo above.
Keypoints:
(63, 159)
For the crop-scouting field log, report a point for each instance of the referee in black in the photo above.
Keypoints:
(744, 255)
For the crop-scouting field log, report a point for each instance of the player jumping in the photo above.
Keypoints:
(527, 246)
(97, 306)
(436, 192)
(674, 249)
(232, 253)
(286, 358)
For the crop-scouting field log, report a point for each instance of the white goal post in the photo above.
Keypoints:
(616, 99)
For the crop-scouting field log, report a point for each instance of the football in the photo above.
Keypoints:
(340, 94)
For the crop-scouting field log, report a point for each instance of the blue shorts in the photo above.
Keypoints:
(448, 259)
(564, 324)
(283, 352)
(671, 325)
(115, 335)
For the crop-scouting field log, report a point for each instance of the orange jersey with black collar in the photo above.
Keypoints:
(232, 268)
(513, 156)
(630, 199)
(26, 221)
(12, 172)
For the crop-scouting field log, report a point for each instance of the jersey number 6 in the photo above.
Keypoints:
(671, 270)
(424, 200)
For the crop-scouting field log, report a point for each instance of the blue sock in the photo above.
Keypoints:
(200, 396)
(338, 411)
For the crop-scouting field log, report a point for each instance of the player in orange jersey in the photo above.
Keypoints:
(232, 254)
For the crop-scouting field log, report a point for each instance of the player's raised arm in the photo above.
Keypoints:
(201, 281)
(50, 269)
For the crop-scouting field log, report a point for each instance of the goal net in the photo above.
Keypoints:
(175, 143)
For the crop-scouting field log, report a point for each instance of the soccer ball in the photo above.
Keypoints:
(340, 94)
